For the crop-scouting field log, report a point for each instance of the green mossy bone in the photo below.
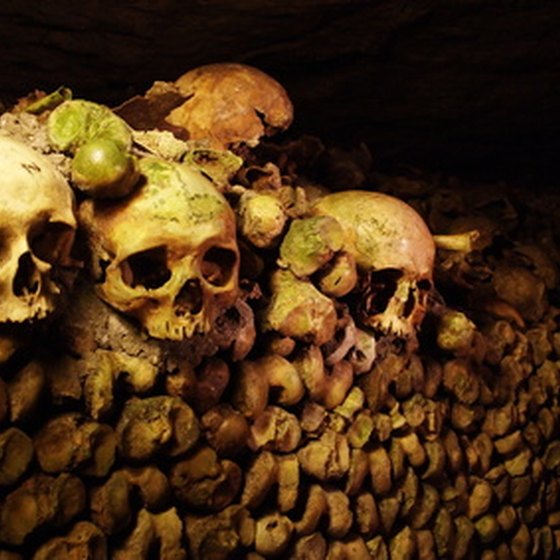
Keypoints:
(49, 101)
(310, 243)
(297, 309)
(102, 168)
(77, 121)
(100, 142)
(218, 165)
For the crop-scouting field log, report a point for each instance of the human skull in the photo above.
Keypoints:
(228, 103)
(223, 105)
(394, 252)
(37, 229)
(167, 254)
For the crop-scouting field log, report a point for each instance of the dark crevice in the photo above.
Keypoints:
(146, 268)
(26, 280)
(217, 265)
(189, 300)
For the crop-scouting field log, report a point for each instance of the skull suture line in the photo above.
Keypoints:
(167, 254)
(37, 228)
(394, 252)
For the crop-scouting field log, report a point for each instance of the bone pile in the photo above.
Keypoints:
(218, 341)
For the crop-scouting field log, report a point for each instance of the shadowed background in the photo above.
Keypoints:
(469, 86)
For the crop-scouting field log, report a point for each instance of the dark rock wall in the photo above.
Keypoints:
(470, 86)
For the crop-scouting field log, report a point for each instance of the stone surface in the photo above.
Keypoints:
(465, 85)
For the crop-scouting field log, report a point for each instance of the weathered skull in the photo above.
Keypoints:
(223, 104)
(167, 254)
(394, 253)
(228, 104)
(37, 227)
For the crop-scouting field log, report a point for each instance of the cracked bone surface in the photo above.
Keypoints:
(273, 371)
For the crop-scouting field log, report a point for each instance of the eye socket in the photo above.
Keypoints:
(146, 268)
(52, 242)
(217, 265)
(380, 289)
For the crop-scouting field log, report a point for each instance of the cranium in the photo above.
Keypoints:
(222, 105)
(167, 254)
(394, 253)
(229, 103)
(37, 227)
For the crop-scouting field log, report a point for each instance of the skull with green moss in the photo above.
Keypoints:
(394, 253)
(167, 254)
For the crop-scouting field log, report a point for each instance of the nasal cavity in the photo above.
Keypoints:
(189, 299)
(27, 279)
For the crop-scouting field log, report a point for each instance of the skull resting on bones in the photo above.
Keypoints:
(37, 229)
(394, 253)
(167, 254)
(223, 105)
